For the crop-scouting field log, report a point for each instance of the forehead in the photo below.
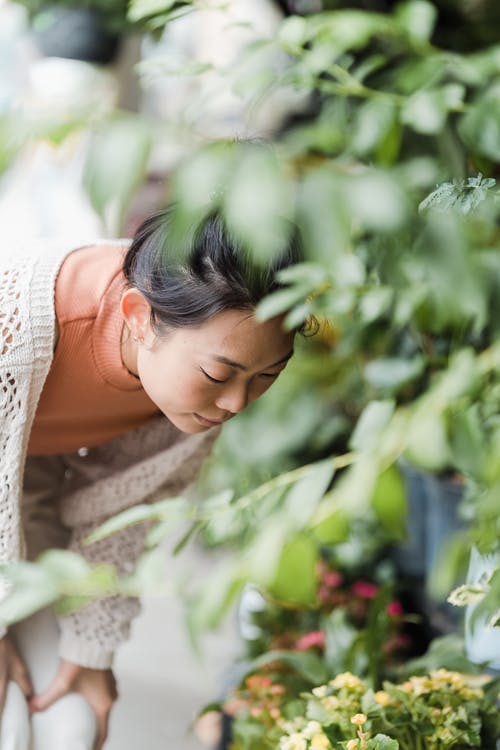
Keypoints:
(237, 335)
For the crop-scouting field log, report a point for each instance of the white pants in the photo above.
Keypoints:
(69, 724)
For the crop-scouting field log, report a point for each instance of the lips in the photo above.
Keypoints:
(208, 422)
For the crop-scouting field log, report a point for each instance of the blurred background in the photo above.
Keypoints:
(345, 504)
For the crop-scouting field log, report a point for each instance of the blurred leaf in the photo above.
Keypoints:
(480, 126)
(115, 167)
(377, 201)
(303, 498)
(295, 578)
(281, 301)
(371, 422)
(444, 652)
(257, 202)
(307, 664)
(149, 576)
(324, 215)
(418, 18)
(389, 502)
(375, 121)
(332, 530)
(340, 637)
(32, 589)
(172, 511)
(391, 373)
(427, 441)
(427, 110)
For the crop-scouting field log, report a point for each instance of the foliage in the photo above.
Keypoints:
(429, 712)
(120, 16)
(407, 360)
(355, 624)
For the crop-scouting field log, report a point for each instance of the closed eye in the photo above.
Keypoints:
(209, 377)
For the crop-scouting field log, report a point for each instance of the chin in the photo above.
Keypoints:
(186, 424)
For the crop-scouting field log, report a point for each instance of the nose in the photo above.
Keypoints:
(233, 399)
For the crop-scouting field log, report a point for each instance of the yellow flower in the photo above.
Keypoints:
(320, 742)
(320, 691)
(359, 719)
(330, 702)
(311, 728)
(347, 680)
(352, 745)
(421, 685)
(294, 742)
(382, 697)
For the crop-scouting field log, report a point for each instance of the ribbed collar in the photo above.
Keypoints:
(106, 339)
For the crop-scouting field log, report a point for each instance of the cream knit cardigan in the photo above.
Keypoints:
(152, 462)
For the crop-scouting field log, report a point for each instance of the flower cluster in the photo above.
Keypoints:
(260, 698)
(431, 712)
(301, 629)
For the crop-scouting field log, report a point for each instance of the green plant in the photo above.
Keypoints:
(118, 16)
(431, 712)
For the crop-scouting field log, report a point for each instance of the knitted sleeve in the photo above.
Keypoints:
(91, 635)
(26, 335)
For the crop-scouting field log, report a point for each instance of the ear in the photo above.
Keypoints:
(136, 312)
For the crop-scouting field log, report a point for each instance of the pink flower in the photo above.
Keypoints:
(365, 589)
(395, 609)
(309, 640)
(333, 579)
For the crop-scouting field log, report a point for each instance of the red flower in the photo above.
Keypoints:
(365, 589)
(395, 609)
(310, 640)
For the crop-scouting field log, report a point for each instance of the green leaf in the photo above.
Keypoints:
(418, 18)
(306, 663)
(382, 742)
(172, 511)
(332, 530)
(302, 499)
(295, 578)
(116, 166)
(257, 202)
(340, 637)
(375, 120)
(480, 126)
(427, 441)
(389, 502)
(140, 9)
(374, 418)
(281, 301)
(426, 111)
(391, 373)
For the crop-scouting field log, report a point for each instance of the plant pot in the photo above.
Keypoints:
(76, 33)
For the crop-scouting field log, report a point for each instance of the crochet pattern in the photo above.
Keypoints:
(155, 461)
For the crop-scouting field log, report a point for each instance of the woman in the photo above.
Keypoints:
(112, 396)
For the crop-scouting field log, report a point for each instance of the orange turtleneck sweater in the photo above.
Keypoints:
(89, 396)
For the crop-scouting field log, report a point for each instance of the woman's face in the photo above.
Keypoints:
(201, 377)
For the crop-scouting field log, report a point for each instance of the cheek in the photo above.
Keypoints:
(171, 385)
(259, 388)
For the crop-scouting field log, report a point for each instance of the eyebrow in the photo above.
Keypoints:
(239, 366)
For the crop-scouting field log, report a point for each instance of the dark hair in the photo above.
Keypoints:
(212, 272)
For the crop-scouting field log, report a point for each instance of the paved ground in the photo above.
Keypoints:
(162, 683)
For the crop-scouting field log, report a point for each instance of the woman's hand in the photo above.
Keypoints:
(97, 686)
(12, 668)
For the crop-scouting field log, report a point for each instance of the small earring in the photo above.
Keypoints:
(138, 339)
